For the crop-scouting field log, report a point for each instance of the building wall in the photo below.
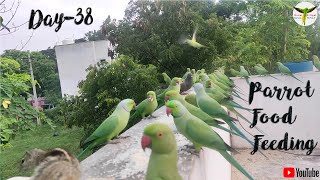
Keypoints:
(74, 59)
(307, 109)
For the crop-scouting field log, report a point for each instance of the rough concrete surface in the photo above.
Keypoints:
(129, 161)
(264, 169)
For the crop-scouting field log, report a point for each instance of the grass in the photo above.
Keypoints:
(42, 138)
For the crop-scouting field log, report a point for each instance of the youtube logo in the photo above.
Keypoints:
(288, 172)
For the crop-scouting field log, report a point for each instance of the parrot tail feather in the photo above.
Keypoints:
(295, 77)
(274, 77)
(232, 161)
(86, 150)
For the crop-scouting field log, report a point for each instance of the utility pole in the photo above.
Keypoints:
(35, 97)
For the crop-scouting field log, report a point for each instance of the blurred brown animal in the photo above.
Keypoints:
(58, 164)
(32, 158)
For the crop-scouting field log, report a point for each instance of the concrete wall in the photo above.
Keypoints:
(74, 59)
(307, 110)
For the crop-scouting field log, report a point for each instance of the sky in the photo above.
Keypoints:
(45, 36)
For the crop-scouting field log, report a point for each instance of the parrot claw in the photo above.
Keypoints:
(123, 137)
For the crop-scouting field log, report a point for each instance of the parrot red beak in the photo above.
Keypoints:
(166, 98)
(168, 111)
(145, 142)
(134, 105)
(150, 98)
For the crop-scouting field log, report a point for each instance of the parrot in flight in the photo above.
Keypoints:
(166, 78)
(285, 70)
(305, 11)
(316, 62)
(143, 109)
(192, 42)
(111, 127)
(262, 71)
(163, 161)
(201, 134)
(1, 24)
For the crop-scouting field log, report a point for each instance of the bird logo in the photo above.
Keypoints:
(308, 11)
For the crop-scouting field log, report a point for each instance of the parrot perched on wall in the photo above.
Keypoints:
(194, 76)
(111, 127)
(172, 95)
(185, 74)
(234, 72)
(2, 25)
(174, 85)
(187, 83)
(285, 70)
(316, 62)
(166, 78)
(214, 109)
(244, 74)
(144, 109)
(262, 71)
(201, 134)
(191, 99)
(163, 162)
(192, 42)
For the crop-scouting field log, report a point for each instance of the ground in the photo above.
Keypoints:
(41, 137)
(264, 169)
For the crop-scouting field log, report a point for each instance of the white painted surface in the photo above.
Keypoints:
(307, 109)
(74, 59)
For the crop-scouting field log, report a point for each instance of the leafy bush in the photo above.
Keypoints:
(16, 112)
(105, 86)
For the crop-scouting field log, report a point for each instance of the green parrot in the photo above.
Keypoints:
(186, 74)
(194, 76)
(174, 85)
(111, 127)
(285, 70)
(262, 71)
(234, 72)
(214, 109)
(145, 108)
(191, 99)
(201, 134)
(172, 95)
(166, 78)
(1, 24)
(305, 11)
(316, 62)
(244, 74)
(163, 162)
(192, 42)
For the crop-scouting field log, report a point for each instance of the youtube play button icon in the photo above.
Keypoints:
(288, 172)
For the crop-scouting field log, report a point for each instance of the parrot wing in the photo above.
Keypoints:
(202, 134)
(311, 9)
(300, 10)
(105, 129)
(194, 34)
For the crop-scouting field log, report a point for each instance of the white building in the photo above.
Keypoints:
(74, 58)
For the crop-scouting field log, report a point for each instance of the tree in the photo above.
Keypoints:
(105, 85)
(45, 72)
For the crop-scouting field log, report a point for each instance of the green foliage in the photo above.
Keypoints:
(41, 137)
(44, 69)
(18, 113)
(105, 85)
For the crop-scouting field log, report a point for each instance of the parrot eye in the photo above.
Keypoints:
(159, 134)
